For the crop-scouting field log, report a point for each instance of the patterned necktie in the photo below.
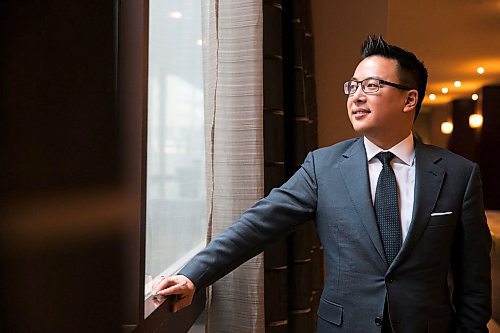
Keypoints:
(387, 208)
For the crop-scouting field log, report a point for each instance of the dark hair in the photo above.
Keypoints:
(412, 71)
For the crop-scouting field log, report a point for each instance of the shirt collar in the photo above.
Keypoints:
(404, 150)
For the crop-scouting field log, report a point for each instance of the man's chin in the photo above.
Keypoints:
(360, 130)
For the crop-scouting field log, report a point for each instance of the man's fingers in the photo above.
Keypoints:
(179, 288)
(175, 285)
(164, 282)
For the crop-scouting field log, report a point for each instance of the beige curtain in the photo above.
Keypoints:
(232, 40)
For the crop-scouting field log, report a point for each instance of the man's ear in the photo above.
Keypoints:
(411, 101)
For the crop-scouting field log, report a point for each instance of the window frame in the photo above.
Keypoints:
(132, 84)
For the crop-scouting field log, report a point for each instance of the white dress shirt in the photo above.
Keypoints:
(403, 165)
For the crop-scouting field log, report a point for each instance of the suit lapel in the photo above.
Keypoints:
(429, 178)
(354, 170)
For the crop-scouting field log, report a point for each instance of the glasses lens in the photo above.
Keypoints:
(350, 87)
(347, 87)
(370, 85)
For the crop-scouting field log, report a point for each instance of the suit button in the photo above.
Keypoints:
(389, 279)
(378, 321)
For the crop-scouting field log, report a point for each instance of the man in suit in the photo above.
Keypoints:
(402, 223)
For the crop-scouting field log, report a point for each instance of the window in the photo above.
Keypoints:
(175, 184)
(160, 86)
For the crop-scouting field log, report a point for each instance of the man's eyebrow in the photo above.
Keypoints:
(366, 78)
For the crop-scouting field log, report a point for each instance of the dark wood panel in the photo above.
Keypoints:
(490, 137)
(65, 207)
(463, 139)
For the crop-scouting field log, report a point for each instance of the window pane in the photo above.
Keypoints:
(175, 198)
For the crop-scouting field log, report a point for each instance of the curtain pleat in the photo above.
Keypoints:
(232, 40)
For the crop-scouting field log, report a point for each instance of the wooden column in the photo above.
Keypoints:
(489, 141)
(275, 255)
(463, 140)
(294, 265)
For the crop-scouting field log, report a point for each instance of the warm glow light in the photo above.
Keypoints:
(475, 120)
(457, 84)
(175, 15)
(444, 90)
(446, 127)
(475, 97)
(432, 97)
(199, 42)
(480, 70)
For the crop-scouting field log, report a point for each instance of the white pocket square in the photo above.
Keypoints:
(440, 214)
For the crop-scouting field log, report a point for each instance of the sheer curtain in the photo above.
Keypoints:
(232, 40)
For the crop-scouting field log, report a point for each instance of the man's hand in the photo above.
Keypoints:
(175, 285)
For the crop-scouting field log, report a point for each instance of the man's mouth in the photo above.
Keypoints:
(360, 112)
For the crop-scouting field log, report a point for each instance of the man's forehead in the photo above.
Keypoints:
(376, 67)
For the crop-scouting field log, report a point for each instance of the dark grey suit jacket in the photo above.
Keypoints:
(448, 241)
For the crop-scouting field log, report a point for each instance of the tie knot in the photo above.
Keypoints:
(385, 157)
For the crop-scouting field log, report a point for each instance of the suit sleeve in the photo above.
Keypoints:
(471, 264)
(273, 216)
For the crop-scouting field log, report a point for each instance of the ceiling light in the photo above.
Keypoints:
(199, 42)
(432, 97)
(175, 15)
(475, 97)
(480, 70)
(457, 84)
(444, 90)
(446, 127)
(475, 120)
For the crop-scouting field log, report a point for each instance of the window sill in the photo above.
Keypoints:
(162, 319)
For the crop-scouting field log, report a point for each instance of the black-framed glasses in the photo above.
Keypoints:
(369, 86)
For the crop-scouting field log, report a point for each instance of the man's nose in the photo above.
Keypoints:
(359, 94)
